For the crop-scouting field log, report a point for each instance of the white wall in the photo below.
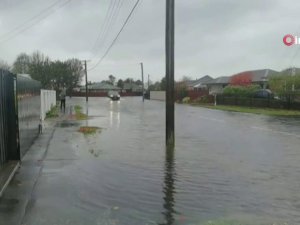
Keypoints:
(48, 100)
(158, 95)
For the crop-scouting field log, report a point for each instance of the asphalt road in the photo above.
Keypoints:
(226, 166)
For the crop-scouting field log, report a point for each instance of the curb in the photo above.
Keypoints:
(16, 167)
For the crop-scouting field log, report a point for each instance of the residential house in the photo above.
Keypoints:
(260, 77)
(100, 87)
(217, 85)
(198, 84)
(132, 87)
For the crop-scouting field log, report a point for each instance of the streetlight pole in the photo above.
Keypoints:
(170, 40)
(86, 82)
(142, 68)
(293, 74)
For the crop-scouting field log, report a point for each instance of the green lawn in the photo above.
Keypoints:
(262, 111)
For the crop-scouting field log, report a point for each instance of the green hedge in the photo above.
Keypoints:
(241, 91)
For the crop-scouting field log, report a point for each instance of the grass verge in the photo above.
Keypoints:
(53, 113)
(89, 130)
(78, 114)
(261, 111)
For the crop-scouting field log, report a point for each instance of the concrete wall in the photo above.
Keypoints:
(29, 110)
(158, 95)
(48, 100)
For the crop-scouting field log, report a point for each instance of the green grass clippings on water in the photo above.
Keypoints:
(78, 113)
(86, 130)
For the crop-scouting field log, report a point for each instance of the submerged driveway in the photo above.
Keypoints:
(227, 166)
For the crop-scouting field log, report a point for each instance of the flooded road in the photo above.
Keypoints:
(227, 168)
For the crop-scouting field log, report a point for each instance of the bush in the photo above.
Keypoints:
(186, 100)
(204, 99)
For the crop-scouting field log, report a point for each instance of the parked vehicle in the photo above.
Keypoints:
(263, 93)
(113, 95)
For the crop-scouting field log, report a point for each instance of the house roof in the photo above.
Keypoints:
(256, 76)
(219, 80)
(102, 86)
(259, 75)
(128, 86)
(199, 82)
(290, 71)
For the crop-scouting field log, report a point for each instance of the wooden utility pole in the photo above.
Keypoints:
(148, 82)
(86, 82)
(170, 99)
(142, 68)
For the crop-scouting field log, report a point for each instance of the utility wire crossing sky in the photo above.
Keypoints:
(216, 37)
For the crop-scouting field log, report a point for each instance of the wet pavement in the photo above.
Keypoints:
(239, 168)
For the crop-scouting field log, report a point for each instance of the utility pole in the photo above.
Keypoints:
(170, 40)
(86, 82)
(142, 68)
(293, 74)
(148, 82)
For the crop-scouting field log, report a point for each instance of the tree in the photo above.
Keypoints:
(163, 84)
(74, 73)
(51, 74)
(21, 64)
(4, 65)
(120, 83)
(155, 87)
(241, 79)
(150, 84)
(129, 80)
(285, 83)
(181, 89)
(138, 82)
(112, 79)
(40, 67)
(186, 78)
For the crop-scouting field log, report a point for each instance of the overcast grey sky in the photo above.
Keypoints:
(214, 37)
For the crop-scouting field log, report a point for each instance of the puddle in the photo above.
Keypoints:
(67, 124)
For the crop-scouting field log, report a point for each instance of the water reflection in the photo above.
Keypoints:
(169, 188)
(114, 114)
(87, 113)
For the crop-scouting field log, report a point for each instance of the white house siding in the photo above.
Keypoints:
(158, 95)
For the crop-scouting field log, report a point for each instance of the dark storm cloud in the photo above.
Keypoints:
(212, 37)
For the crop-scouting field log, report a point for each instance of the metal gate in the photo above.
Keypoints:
(9, 132)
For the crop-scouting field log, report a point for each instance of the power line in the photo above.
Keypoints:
(31, 19)
(115, 39)
(108, 13)
(108, 26)
(47, 12)
(109, 22)
(112, 23)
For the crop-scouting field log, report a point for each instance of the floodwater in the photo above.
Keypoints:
(227, 168)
